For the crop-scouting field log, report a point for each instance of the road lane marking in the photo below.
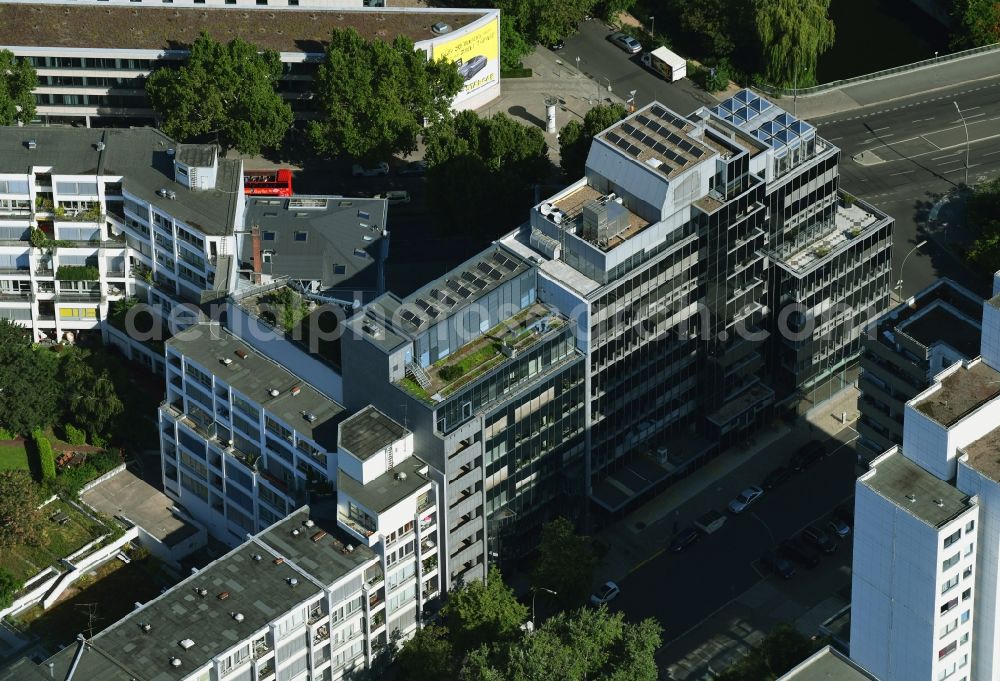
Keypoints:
(643, 562)
(970, 108)
(946, 155)
(877, 129)
(944, 163)
(921, 120)
(904, 172)
(990, 153)
(974, 116)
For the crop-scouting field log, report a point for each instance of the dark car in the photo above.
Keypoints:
(778, 565)
(472, 67)
(776, 477)
(684, 539)
(820, 539)
(801, 553)
(807, 455)
(414, 168)
(557, 45)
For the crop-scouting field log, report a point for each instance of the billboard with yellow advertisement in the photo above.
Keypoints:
(477, 54)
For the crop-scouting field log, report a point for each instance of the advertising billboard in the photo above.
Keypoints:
(477, 54)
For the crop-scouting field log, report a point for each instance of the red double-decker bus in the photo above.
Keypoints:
(267, 182)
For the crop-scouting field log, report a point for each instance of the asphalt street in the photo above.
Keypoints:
(682, 589)
(914, 152)
(607, 63)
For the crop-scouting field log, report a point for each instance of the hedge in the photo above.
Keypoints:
(78, 273)
(74, 435)
(46, 457)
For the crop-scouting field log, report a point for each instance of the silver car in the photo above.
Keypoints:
(745, 498)
(626, 42)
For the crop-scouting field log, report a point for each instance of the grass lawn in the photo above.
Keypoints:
(113, 589)
(13, 457)
(24, 562)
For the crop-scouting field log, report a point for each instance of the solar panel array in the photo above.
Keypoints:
(755, 115)
(459, 287)
(660, 133)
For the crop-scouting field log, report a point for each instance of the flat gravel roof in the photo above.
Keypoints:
(144, 27)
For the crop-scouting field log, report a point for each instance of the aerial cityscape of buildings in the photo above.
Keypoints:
(640, 328)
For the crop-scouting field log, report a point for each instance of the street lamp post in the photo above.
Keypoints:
(534, 593)
(966, 125)
(899, 284)
(652, 26)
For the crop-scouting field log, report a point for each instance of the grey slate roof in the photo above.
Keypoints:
(387, 490)
(914, 490)
(339, 239)
(253, 376)
(137, 154)
(369, 432)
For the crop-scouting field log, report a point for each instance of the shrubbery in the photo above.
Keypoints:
(450, 373)
(6, 434)
(46, 457)
(9, 587)
(71, 480)
(74, 435)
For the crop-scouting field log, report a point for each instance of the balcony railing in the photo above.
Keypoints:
(322, 634)
(363, 531)
(376, 579)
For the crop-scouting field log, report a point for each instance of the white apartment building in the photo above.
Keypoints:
(298, 602)
(241, 438)
(386, 500)
(114, 213)
(927, 539)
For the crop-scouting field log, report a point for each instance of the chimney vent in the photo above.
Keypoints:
(175, 662)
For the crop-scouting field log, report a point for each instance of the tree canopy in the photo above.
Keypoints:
(575, 137)
(475, 161)
(428, 656)
(570, 579)
(30, 397)
(543, 21)
(978, 22)
(983, 217)
(226, 91)
(17, 81)
(792, 33)
(482, 612)
(375, 97)
(781, 649)
(19, 516)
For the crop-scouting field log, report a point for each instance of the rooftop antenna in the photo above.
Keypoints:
(92, 617)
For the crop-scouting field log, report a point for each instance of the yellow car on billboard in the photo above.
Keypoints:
(477, 55)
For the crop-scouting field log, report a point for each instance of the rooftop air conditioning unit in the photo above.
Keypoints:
(227, 361)
(310, 417)
(350, 548)
(238, 616)
(175, 662)
(293, 582)
(186, 643)
(273, 392)
(401, 476)
(100, 146)
(309, 522)
(296, 390)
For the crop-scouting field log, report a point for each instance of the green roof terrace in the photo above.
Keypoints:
(486, 352)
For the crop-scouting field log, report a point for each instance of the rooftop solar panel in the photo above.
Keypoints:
(658, 110)
(458, 288)
(504, 261)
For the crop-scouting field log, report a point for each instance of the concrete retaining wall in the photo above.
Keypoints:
(86, 564)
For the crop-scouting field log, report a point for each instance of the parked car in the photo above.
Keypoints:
(801, 553)
(608, 592)
(778, 565)
(380, 168)
(807, 455)
(395, 196)
(820, 539)
(418, 167)
(776, 477)
(626, 42)
(838, 527)
(745, 498)
(557, 45)
(684, 539)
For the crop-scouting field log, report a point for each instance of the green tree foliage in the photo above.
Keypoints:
(792, 33)
(374, 96)
(513, 46)
(610, 9)
(570, 579)
(781, 649)
(585, 644)
(978, 22)
(20, 521)
(575, 137)
(9, 586)
(483, 612)
(227, 91)
(544, 21)
(46, 457)
(17, 81)
(475, 161)
(30, 396)
(983, 217)
(74, 435)
(709, 23)
(428, 656)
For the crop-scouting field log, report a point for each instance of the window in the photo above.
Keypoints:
(967, 572)
(946, 671)
(948, 628)
(950, 562)
(949, 585)
(970, 526)
(267, 236)
(947, 650)
(952, 538)
(949, 605)
(965, 616)
(970, 549)
(301, 236)
(967, 594)
(964, 661)
(964, 639)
